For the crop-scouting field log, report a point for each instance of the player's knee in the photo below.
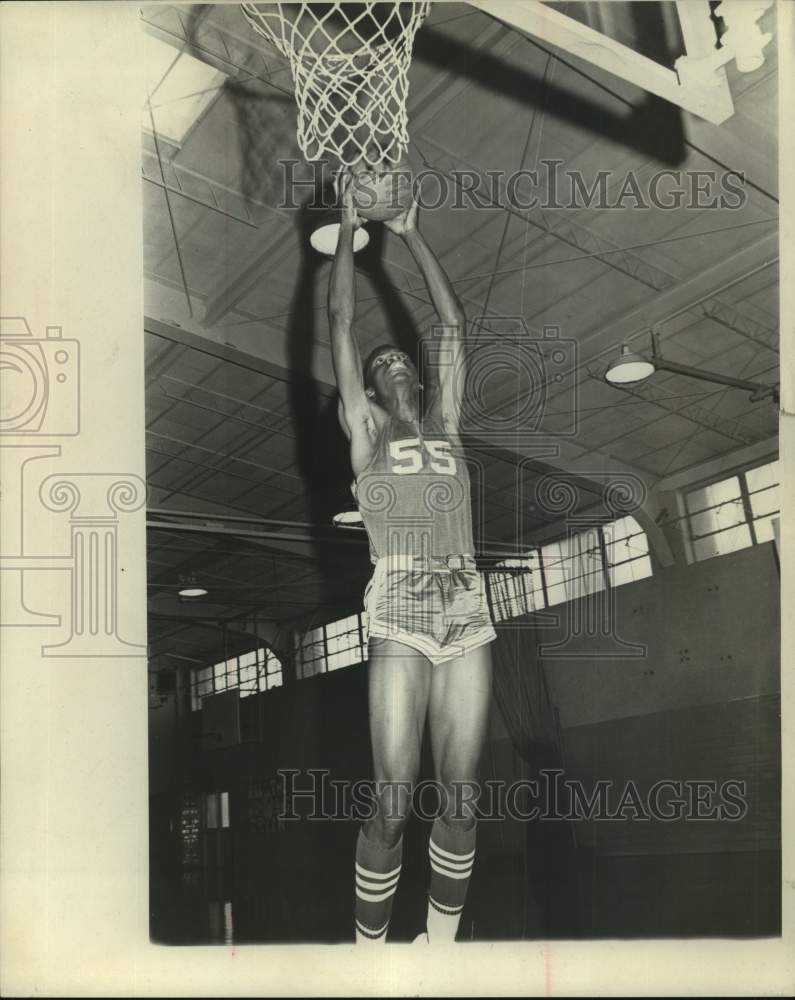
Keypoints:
(393, 801)
(459, 803)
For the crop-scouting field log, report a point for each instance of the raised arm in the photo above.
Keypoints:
(447, 371)
(354, 412)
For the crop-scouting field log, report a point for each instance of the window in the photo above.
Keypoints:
(583, 563)
(344, 644)
(733, 513)
(763, 495)
(518, 592)
(311, 653)
(257, 670)
(626, 551)
(248, 667)
(329, 647)
(202, 684)
(273, 668)
(574, 566)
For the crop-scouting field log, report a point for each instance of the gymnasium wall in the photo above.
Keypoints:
(701, 707)
(707, 632)
(700, 704)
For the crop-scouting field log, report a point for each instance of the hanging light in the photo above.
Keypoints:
(629, 367)
(190, 588)
(348, 519)
(326, 232)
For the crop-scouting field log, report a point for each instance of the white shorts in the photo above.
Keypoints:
(437, 606)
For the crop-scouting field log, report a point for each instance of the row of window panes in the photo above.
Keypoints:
(517, 592)
(583, 563)
(329, 647)
(733, 513)
(571, 568)
(258, 670)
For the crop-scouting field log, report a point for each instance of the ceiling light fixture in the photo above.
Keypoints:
(630, 368)
(325, 234)
(190, 588)
(348, 519)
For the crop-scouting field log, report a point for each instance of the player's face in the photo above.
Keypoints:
(390, 368)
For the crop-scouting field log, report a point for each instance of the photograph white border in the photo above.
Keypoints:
(74, 840)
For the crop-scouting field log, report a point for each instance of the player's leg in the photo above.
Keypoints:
(459, 709)
(399, 684)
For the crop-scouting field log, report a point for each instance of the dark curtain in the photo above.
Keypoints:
(549, 866)
(522, 696)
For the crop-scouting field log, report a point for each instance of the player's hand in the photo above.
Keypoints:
(406, 222)
(343, 185)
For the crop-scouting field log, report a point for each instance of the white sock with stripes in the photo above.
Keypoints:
(452, 854)
(377, 875)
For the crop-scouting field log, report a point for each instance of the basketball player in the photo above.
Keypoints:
(429, 624)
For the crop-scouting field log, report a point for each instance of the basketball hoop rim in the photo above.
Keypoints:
(293, 53)
(350, 101)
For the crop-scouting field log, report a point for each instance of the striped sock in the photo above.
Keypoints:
(377, 874)
(452, 854)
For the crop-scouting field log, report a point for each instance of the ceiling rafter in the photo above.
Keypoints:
(692, 411)
(568, 231)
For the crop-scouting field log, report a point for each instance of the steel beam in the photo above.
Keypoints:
(685, 296)
(726, 426)
(227, 296)
(754, 454)
(268, 536)
(235, 356)
(733, 319)
(571, 233)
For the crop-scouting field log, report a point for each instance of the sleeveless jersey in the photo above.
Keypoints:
(414, 495)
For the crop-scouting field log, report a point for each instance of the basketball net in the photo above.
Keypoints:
(351, 85)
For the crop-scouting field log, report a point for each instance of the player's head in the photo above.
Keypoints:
(385, 369)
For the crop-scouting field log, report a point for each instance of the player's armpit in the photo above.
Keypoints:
(360, 429)
(362, 434)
